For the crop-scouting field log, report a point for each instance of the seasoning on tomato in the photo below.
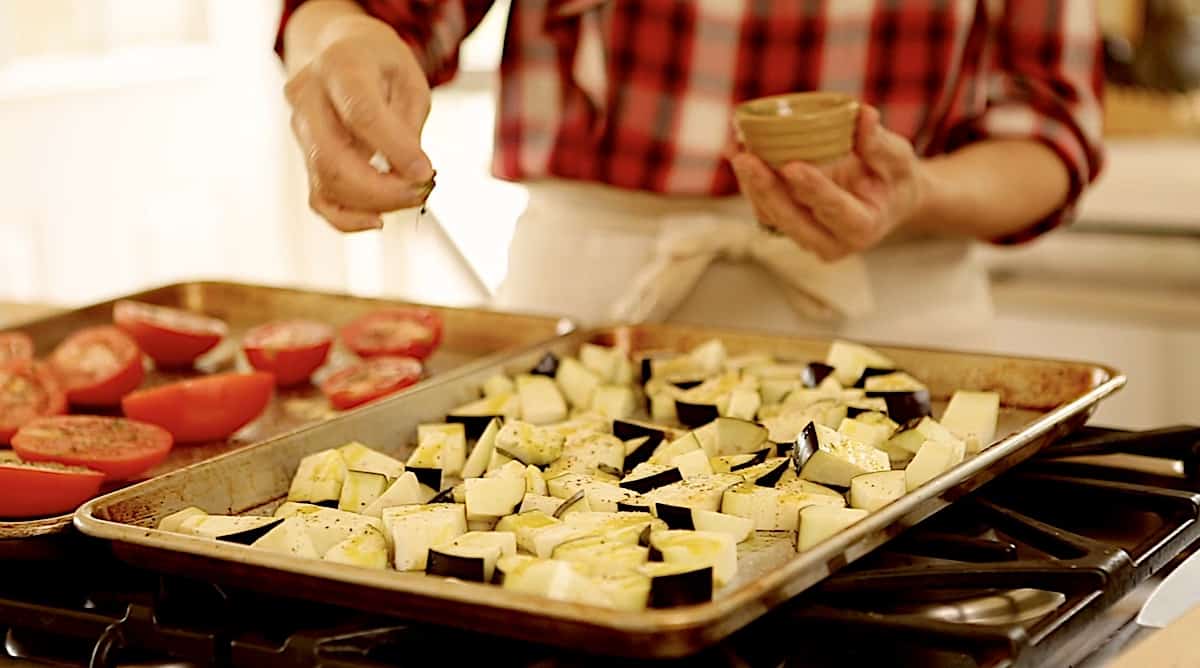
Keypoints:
(171, 337)
(290, 349)
(28, 390)
(210, 408)
(405, 332)
(369, 380)
(41, 489)
(120, 449)
(15, 346)
(98, 366)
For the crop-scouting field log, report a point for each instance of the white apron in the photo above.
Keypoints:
(579, 248)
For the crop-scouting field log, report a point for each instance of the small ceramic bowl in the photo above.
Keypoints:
(815, 127)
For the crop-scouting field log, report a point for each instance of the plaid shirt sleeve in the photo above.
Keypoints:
(1046, 84)
(434, 28)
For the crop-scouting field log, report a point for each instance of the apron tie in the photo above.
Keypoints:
(688, 244)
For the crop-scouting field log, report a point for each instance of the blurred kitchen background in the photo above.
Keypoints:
(146, 141)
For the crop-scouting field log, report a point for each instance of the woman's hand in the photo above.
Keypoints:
(361, 93)
(847, 207)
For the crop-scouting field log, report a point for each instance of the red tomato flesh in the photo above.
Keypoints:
(370, 380)
(170, 336)
(402, 332)
(98, 366)
(39, 490)
(291, 349)
(15, 346)
(118, 448)
(28, 390)
(203, 409)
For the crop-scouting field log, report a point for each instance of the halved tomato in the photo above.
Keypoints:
(171, 336)
(118, 448)
(15, 346)
(403, 332)
(290, 349)
(28, 390)
(41, 489)
(370, 380)
(98, 366)
(203, 409)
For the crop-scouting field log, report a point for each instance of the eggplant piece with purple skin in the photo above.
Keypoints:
(473, 425)
(547, 366)
(248, 536)
(806, 445)
(772, 477)
(755, 459)
(676, 517)
(672, 589)
(695, 415)
(623, 507)
(654, 481)
(631, 429)
(871, 371)
(429, 477)
(906, 406)
(470, 569)
(641, 452)
(814, 373)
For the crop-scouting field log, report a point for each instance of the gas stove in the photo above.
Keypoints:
(1038, 568)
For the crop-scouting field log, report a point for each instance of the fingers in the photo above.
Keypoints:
(886, 153)
(339, 167)
(776, 209)
(360, 98)
(346, 220)
(851, 222)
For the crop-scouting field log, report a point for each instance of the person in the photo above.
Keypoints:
(980, 122)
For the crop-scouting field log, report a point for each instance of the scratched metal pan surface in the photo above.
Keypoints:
(1042, 401)
(469, 337)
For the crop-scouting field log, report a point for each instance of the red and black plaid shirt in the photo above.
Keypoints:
(944, 73)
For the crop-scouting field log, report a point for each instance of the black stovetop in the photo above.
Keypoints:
(1008, 576)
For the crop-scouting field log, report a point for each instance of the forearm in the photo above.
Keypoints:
(991, 189)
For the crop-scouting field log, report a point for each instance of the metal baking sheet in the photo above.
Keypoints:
(1042, 401)
(469, 336)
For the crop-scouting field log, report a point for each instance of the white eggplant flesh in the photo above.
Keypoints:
(319, 478)
(499, 384)
(541, 401)
(874, 435)
(771, 509)
(838, 459)
(872, 491)
(415, 529)
(493, 497)
(535, 482)
(699, 548)
(368, 550)
(577, 383)
(174, 520)
(289, 537)
(743, 404)
(972, 416)
(680, 446)
(850, 360)
(529, 443)
(452, 446)
(403, 491)
(818, 523)
(359, 457)
(933, 459)
(615, 402)
(328, 527)
(360, 489)
(738, 528)
(546, 504)
(702, 492)
(477, 463)
(693, 464)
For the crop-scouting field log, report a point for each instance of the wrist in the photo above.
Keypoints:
(931, 199)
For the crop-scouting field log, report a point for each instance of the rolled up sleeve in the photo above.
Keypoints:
(1046, 84)
(433, 28)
